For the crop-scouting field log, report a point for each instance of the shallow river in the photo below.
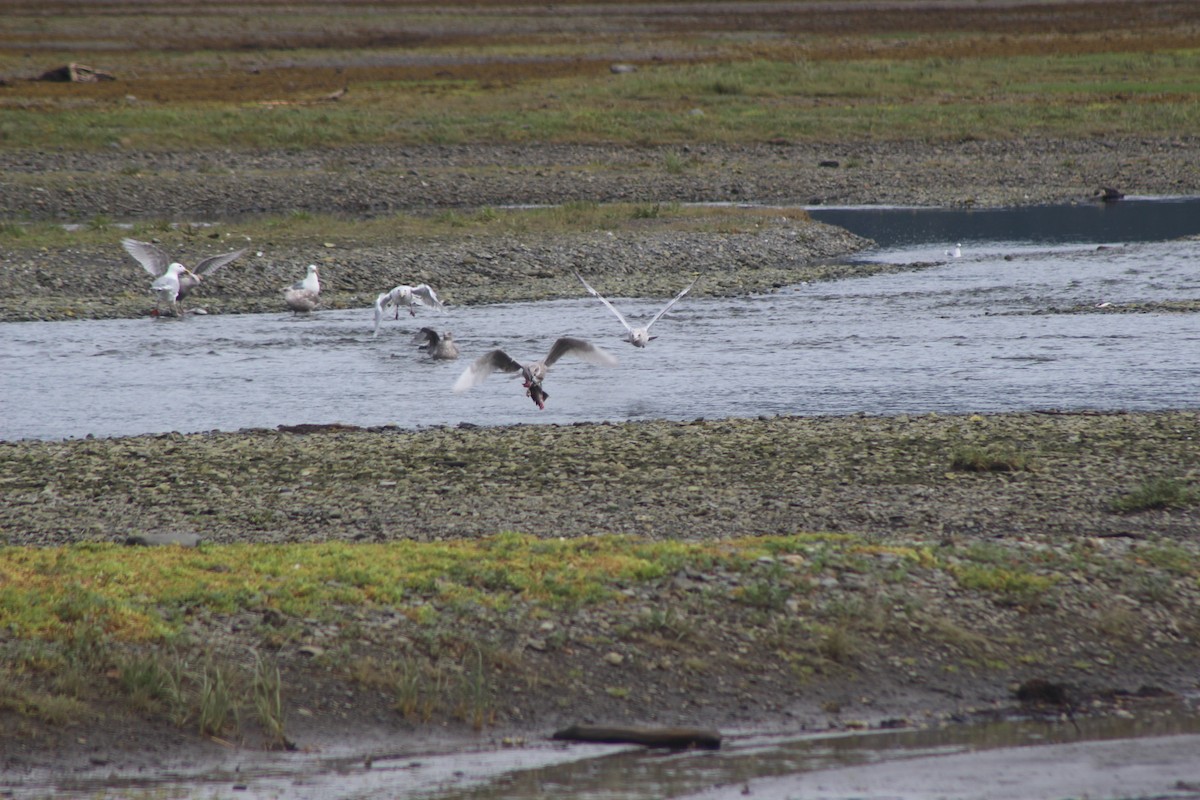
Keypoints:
(958, 336)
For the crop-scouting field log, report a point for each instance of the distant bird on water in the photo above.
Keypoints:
(304, 296)
(440, 346)
(956, 252)
(412, 296)
(156, 262)
(533, 373)
(638, 337)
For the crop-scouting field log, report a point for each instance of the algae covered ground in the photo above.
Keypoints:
(819, 572)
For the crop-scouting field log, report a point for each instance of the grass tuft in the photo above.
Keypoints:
(993, 458)
(1155, 493)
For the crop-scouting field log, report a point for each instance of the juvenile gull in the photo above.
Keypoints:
(412, 296)
(638, 337)
(303, 296)
(439, 345)
(533, 373)
(156, 262)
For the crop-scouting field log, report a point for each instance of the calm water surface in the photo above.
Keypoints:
(961, 336)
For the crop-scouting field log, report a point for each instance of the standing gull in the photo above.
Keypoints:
(412, 296)
(440, 346)
(303, 296)
(533, 373)
(166, 288)
(638, 337)
(156, 261)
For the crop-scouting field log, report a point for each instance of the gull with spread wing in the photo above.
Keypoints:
(533, 373)
(638, 337)
(156, 262)
(439, 346)
(412, 296)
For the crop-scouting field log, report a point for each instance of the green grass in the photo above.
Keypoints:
(307, 227)
(1155, 493)
(991, 458)
(741, 101)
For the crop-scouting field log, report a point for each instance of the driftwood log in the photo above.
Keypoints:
(76, 73)
(674, 738)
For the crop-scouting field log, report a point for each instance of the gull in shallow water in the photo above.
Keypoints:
(156, 262)
(439, 345)
(638, 337)
(533, 373)
(412, 296)
(303, 296)
(956, 252)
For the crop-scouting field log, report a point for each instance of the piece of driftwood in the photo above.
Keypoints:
(674, 738)
(76, 73)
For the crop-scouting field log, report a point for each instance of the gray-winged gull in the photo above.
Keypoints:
(534, 372)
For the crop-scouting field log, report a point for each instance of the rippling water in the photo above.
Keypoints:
(954, 338)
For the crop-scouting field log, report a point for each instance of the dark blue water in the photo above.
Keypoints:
(1124, 221)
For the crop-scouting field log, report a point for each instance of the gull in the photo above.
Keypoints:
(412, 296)
(166, 288)
(534, 372)
(638, 337)
(439, 345)
(303, 296)
(956, 252)
(156, 261)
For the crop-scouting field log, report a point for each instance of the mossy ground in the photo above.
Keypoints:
(762, 568)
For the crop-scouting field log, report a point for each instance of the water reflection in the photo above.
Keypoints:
(646, 775)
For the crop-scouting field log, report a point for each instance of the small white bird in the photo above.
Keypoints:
(533, 373)
(638, 337)
(304, 296)
(166, 288)
(412, 296)
(439, 345)
(956, 252)
(156, 262)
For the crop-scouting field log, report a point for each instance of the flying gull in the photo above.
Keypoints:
(534, 372)
(412, 296)
(638, 337)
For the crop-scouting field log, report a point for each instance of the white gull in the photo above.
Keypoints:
(412, 296)
(638, 337)
(156, 262)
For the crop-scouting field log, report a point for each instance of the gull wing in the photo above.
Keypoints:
(675, 300)
(486, 364)
(607, 304)
(379, 311)
(301, 299)
(426, 296)
(584, 351)
(213, 263)
(427, 337)
(151, 257)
